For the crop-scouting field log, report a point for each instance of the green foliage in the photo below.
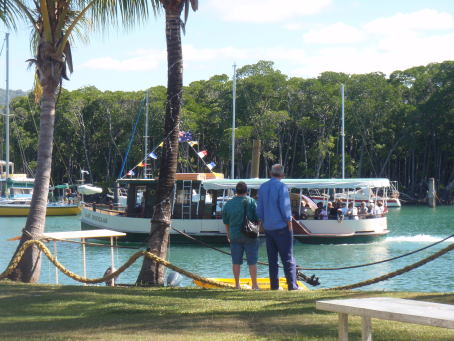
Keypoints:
(401, 126)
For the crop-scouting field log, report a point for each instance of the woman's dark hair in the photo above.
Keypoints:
(241, 188)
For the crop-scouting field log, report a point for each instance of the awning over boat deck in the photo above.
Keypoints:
(83, 234)
(220, 184)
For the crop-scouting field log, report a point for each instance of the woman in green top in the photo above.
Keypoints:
(232, 216)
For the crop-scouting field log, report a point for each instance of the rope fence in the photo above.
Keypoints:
(38, 243)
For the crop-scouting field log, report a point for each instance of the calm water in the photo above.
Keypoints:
(411, 228)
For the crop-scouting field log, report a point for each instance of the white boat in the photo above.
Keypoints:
(88, 189)
(18, 190)
(388, 195)
(197, 211)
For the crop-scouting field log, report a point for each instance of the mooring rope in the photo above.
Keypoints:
(394, 273)
(320, 269)
(381, 261)
(15, 262)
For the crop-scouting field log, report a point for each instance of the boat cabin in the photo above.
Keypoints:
(195, 197)
(189, 198)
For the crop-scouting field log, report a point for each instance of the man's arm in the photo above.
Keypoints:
(284, 206)
(227, 232)
(259, 209)
(226, 221)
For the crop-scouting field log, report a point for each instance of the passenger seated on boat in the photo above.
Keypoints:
(304, 212)
(324, 213)
(343, 210)
(318, 211)
(376, 211)
(380, 208)
(352, 212)
(308, 211)
(363, 211)
(332, 211)
(370, 207)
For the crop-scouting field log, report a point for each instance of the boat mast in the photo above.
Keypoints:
(343, 133)
(7, 111)
(232, 172)
(146, 138)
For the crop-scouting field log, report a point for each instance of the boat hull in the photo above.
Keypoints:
(213, 230)
(24, 210)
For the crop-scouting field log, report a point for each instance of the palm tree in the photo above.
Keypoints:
(152, 273)
(55, 23)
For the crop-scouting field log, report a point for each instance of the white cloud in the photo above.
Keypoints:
(336, 47)
(385, 57)
(424, 20)
(261, 11)
(293, 26)
(141, 60)
(194, 55)
(144, 60)
(338, 33)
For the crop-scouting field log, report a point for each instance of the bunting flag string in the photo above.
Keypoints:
(153, 155)
(202, 154)
(183, 136)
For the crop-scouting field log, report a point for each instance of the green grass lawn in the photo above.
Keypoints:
(51, 312)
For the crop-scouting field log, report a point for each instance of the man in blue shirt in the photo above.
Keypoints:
(274, 210)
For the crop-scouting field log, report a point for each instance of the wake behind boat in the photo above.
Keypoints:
(197, 205)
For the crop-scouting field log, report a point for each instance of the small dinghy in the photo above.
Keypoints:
(246, 283)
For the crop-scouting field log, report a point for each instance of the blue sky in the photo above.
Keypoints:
(302, 37)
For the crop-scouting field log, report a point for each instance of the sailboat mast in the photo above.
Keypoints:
(7, 107)
(146, 138)
(343, 133)
(232, 172)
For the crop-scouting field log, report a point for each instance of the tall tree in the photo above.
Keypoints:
(55, 23)
(152, 273)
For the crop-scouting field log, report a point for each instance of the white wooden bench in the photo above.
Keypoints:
(388, 308)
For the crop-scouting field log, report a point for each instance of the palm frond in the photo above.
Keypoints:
(194, 5)
(128, 13)
(15, 10)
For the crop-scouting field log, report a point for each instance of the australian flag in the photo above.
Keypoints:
(184, 136)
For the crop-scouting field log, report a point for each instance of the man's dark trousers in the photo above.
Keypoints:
(280, 242)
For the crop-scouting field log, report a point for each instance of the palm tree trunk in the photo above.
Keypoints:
(152, 273)
(30, 266)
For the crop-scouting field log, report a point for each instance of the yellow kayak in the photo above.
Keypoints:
(246, 283)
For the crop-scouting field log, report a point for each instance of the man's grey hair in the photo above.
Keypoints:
(277, 170)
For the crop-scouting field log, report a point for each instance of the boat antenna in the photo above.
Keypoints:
(343, 133)
(232, 172)
(7, 111)
(146, 138)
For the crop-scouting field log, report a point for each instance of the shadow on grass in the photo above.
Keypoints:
(38, 311)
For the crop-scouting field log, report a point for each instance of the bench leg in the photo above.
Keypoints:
(343, 327)
(366, 328)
